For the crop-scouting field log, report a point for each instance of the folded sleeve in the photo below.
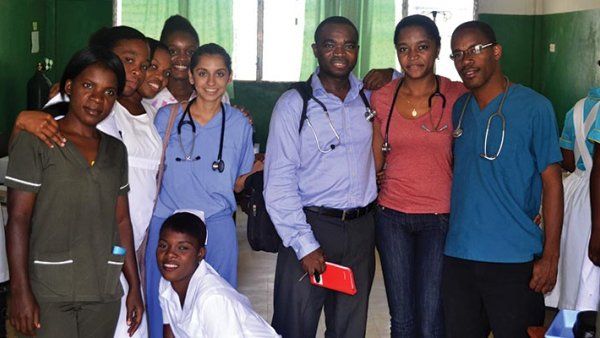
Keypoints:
(545, 137)
(568, 133)
(25, 164)
(594, 134)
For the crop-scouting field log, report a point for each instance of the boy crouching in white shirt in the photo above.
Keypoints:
(195, 300)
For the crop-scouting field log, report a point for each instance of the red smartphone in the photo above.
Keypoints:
(336, 277)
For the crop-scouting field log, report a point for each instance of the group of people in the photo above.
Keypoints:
(446, 181)
(137, 108)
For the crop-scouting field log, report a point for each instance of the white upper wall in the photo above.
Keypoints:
(531, 7)
(521, 7)
(561, 6)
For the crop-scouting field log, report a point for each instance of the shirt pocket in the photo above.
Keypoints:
(52, 273)
(114, 266)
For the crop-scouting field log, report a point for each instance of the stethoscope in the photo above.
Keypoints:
(219, 164)
(498, 113)
(369, 115)
(386, 148)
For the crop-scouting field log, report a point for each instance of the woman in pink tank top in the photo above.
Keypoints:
(413, 145)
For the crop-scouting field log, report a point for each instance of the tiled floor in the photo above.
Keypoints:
(256, 273)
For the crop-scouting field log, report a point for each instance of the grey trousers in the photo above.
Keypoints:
(598, 324)
(298, 304)
(78, 319)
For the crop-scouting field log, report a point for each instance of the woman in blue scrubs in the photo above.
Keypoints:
(210, 148)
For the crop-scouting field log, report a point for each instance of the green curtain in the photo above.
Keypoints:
(375, 20)
(211, 18)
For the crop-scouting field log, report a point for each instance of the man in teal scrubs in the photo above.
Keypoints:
(498, 261)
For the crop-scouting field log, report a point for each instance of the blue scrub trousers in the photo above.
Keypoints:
(221, 254)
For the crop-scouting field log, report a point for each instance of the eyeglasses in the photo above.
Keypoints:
(475, 50)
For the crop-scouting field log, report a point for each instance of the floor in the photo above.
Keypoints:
(256, 273)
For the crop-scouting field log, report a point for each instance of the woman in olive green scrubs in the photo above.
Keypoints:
(69, 234)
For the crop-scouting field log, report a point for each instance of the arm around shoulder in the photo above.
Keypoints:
(40, 124)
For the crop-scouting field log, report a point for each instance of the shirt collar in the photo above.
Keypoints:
(168, 293)
(355, 86)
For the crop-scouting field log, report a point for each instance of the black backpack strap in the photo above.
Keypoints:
(363, 96)
(305, 90)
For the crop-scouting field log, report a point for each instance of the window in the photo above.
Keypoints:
(244, 39)
(283, 40)
(269, 40)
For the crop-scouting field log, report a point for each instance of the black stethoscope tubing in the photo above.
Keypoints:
(219, 164)
(386, 145)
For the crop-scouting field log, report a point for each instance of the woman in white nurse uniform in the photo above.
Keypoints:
(578, 282)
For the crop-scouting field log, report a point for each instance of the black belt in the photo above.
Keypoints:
(344, 215)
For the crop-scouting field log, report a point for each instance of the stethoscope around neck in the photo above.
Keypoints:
(369, 116)
(386, 148)
(219, 164)
(458, 132)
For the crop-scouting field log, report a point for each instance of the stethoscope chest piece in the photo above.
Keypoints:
(457, 132)
(370, 114)
(218, 165)
(386, 148)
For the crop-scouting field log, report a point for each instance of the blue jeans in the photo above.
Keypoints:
(411, 248)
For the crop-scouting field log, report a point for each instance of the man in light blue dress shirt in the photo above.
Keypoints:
(320, 191)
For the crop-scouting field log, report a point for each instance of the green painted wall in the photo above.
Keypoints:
(567, 75)
(563, 76)
(16, 60)
(259, 98)
(516, 35)
(64, 25)
(74, 22)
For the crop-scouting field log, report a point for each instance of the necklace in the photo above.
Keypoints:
(414, 112)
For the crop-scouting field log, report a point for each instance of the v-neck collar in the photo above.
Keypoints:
(170, 294)
(80, 159)
(215, 121)
(493, 104)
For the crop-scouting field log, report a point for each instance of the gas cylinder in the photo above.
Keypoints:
(38, 88)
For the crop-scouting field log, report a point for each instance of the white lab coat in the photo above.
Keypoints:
(212, 308)
(144, 147)
(578, 282)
